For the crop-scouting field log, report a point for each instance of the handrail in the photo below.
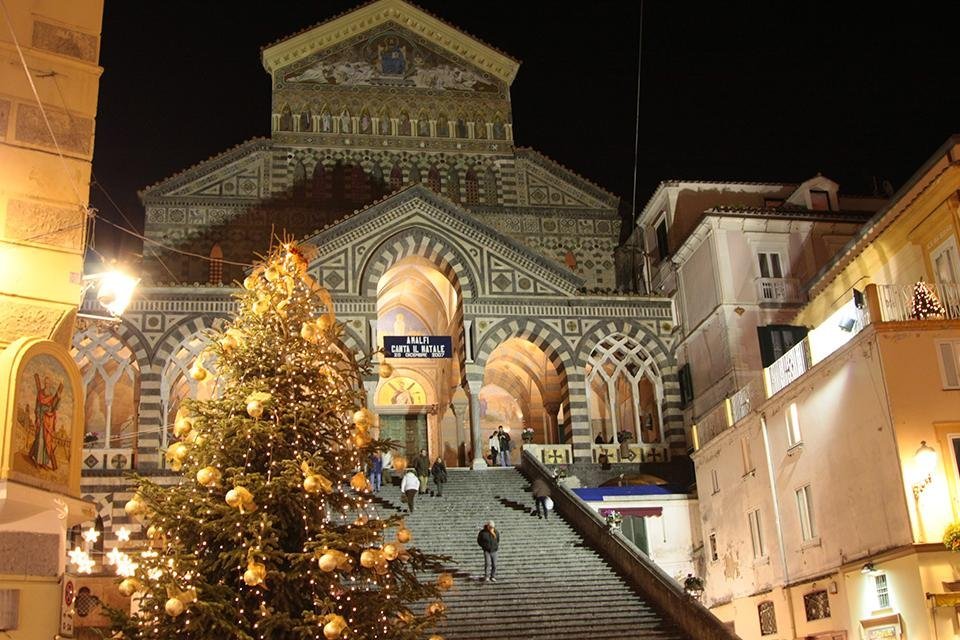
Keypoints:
(663, 591)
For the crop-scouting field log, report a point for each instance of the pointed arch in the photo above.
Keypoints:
(423, 124)
(480, 127)
(453, 183)
(286, 119)
(443, 126)
(321, 186)
(415, 175)
(306, 120)
(386, 127)
(216, 264)
(499, 130)
(346, 123)
(396, 177)
(471, 187)
(462, 126)
(490, 186)
(403, 124)
(365, 123)
(299, 190)
(433, 179)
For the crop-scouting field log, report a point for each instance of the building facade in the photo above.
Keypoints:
(392, 153)
(825, 502)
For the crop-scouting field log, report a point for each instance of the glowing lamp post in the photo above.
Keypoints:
(114, 289)
(925, 460)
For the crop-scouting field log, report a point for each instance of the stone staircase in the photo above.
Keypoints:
(550, 584)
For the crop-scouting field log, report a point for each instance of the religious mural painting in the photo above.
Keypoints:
(401, 391)
(45, 409)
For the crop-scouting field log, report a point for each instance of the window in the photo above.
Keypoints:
(770, 264)
(215, 273)
(819, 200)
(808, 527)
(663, 246)
(745, 457)
(793, 426)
(772, 203)
(949, 363)
(715, 477)
(777, 339)
(714, 555)
(756, 535)
(471, 187)
(816, 605)
(686, 385)
(883, 590)
(768, 618)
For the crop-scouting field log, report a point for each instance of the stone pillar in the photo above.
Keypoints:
(461, 410)
(550, 411)
(476, 437)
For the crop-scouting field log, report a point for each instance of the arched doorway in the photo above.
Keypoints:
(415, 298)
(522, 388)
(624, 392)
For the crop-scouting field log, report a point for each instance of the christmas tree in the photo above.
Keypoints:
(925, 303)
(272, 534)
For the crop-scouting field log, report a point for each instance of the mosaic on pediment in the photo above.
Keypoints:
(388, 56)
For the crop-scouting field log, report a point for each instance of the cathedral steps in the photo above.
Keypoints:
(550, 584)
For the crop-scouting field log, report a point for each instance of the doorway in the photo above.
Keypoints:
(409, 430)
(635, 530)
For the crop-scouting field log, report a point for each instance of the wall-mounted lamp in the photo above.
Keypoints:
(925, 460)
(847, 324)
(114, 289)
(867, 569)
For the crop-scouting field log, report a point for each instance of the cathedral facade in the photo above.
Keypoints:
(392, 152)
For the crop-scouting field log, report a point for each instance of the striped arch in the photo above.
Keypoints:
(665, 362)
(425, 243)
(557, 351)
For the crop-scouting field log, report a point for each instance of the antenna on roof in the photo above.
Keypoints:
(636, 134)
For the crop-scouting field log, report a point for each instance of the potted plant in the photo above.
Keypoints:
(693, 586)
(614, 520)
(527, 434)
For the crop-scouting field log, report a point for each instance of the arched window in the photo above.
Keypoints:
(443, 126)
(176, 384)
(433, 179)
(490, 186)
(385, 124)
(321, 183)
(326, 121)
(345, 121)
(403, 125)
(453, 184)
(461, 127)
(111, 380)
(767, 612)
(299, 181)
(286, 119)
(415, 177)
(471, 187)
(625, 391)
(376, 180)
(423, 124)
(359, 187)
(365, 122)
(306, 121)
(396, 177)
(499, 130)
(216, 264)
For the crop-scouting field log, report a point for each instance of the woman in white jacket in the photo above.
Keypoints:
(494, 444)
(410, 487)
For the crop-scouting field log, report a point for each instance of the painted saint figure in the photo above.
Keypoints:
(42, 452)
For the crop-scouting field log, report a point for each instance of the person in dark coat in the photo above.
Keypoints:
(505, 446)
(439, 473)
(541, 491)
(489, 541)
(422, 466)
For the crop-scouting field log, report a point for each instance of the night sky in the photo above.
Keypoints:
(730, 90)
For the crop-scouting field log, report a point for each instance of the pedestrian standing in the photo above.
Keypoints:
(409, 487)
(505, 446)
(495, 448)
(541, 491)
(489, 541)
(439, 473)
(375, 467)
(386, 462)
(422, 466)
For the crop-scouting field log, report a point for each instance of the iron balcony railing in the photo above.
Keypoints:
(896, 300)
(782, 290)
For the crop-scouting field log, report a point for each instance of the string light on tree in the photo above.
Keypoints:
(925, 303)
(272, 533)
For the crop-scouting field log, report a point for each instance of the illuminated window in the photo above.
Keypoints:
(883, 590)
(756, 534)
(816, 605)
(793, 426)
(768, 618)
(949, 363)
(808, 527)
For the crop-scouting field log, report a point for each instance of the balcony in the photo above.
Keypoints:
(895, 300)
(791, 365)
(778, 290)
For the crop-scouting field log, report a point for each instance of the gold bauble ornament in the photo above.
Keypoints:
(360, 439)
(334, 627)
(251, 578)
(364, 417)
(359, 482)
(228, 343)
(390, 551)
(404, 535)
(174, 607)
(315, 482)
(236, 335)
(261, 306)
(134, 506)
(208, 476)
(385, 370)
(308, 331)
(250, 283)
(128, 587)
(399, 464)
(328, 562)
(255, 409)
(182, 426)
(177, 451)
(368, 558)
(324, 323)
(436, 608)
(237, 496)
(271, 274)
(445, 581)
(197, 371)
(153, 532)
(405, 617)
(175, 464)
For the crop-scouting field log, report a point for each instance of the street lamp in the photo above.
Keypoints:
(114, 289)
(925, 460)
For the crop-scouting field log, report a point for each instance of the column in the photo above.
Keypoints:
(476, 438)
(551, 409)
